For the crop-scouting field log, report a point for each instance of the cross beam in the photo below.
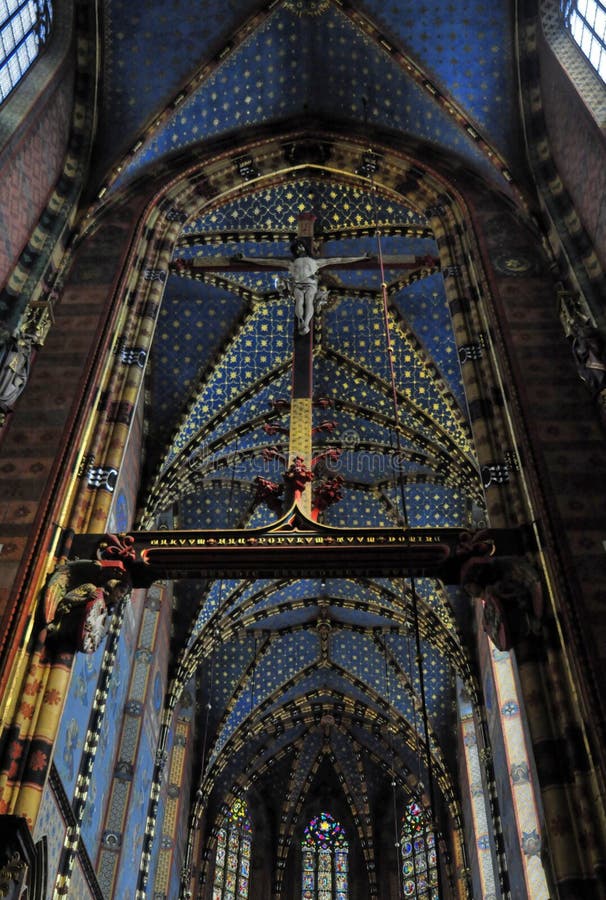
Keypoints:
(233, 264)
(297, 547)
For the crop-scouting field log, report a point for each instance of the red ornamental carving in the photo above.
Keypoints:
(327, 426)
(269, 492)
(332, 455)
(272, 453)
(475, 544)
(271, 428)
(118, 547)
(328, 492)
(298, 475)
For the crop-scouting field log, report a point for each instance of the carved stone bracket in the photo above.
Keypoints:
(78, 601)
(511, 594)
(15, 361)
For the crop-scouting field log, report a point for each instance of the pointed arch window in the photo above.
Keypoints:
(419, 859)
(325, 860)
(232, 861)
(24, 29)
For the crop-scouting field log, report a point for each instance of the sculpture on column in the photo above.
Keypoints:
(588, 346)
(15, 356)
(511, 594)
(78, 603)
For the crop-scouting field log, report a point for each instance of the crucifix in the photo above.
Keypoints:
(296, 542)
(303, 271)
(302, 285)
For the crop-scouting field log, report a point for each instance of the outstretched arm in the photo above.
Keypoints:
(274, 263)
(336, 260)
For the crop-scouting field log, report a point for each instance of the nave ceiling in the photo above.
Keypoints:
(300, 674)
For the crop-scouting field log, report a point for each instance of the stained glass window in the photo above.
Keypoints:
(24, 29)
(419, 859)
(586, 22)
(232, 859)
(324, 860)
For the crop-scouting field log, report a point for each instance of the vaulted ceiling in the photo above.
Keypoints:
(296, 672)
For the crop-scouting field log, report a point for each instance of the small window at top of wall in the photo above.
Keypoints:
(586, 22)
(24, 30)
(575, 31)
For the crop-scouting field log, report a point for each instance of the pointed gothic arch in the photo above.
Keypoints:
(419, 855)
(231, 877)
(324, 852)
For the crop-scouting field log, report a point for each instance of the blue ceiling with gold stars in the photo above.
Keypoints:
(440, 74)
(310, 667)
(272, 651)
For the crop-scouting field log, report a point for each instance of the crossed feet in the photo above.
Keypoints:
(303, 328)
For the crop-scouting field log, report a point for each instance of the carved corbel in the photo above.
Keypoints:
(78, 602)
(511, 594)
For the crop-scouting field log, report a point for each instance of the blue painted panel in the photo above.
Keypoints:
(134, 826)
(312, 74)
(76, 714)
(468, 47)
(142, 69)
(102, 774)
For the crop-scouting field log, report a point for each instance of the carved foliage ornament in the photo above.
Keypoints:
(307, 7)
(12, 875)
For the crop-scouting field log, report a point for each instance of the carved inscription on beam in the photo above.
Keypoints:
(295, 546)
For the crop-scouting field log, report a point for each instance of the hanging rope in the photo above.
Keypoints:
(388, 342)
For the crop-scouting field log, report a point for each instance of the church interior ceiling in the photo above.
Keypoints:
(415, 70)
(328, 662)
(294, 672)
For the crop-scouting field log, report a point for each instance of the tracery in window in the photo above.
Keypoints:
(419, 858)
(586, 22)
(24, 29)
(325, 860)
(232, 860)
